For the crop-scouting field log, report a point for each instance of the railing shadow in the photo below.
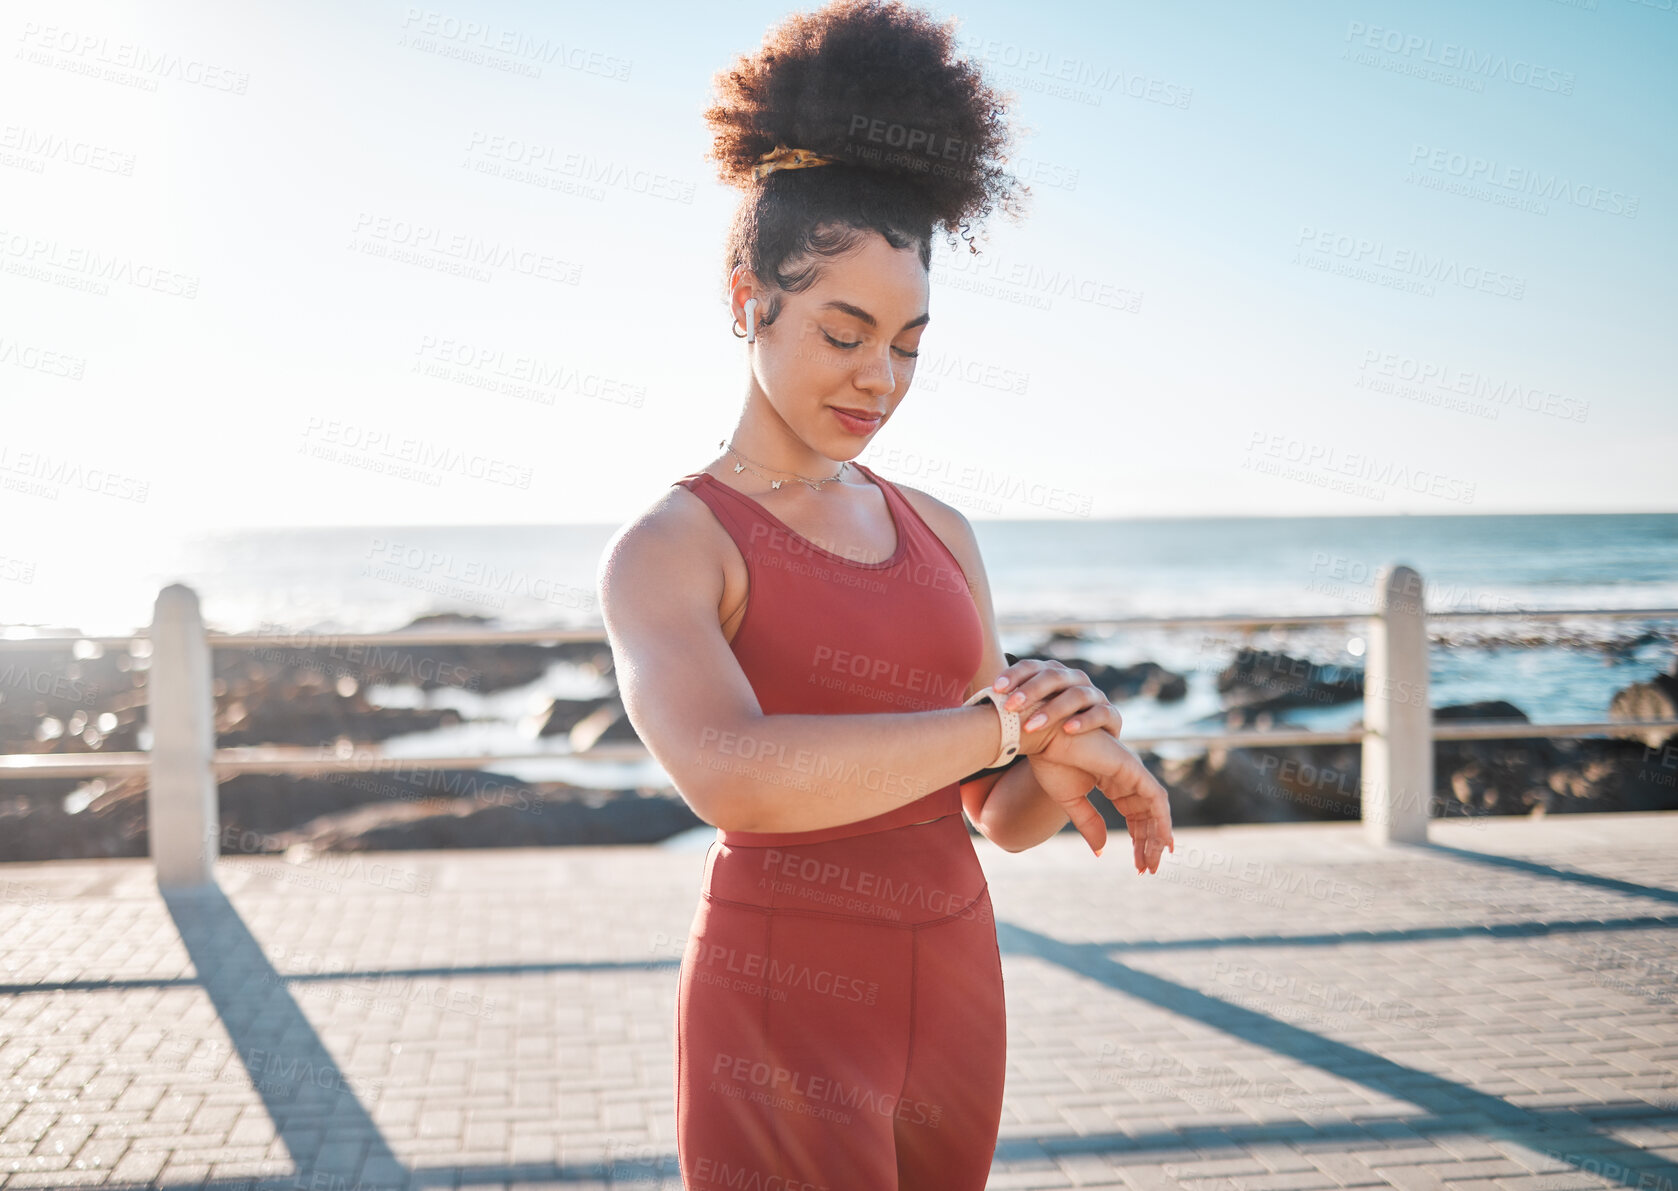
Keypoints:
(331, 1137)
(1447, 1105)
(1537, 869)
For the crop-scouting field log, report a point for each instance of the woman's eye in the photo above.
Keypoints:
(840, 343)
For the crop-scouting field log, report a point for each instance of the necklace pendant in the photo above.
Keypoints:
(774, 483)
(738, 468)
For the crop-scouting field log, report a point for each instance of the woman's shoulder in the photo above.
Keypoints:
(673, 515)
(945, 520)
(674, 538)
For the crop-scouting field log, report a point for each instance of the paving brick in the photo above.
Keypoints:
(1346, 1169)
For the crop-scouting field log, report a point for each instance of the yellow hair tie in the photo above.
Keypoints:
(783, 158)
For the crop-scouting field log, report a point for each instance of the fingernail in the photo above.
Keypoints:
(1001, 684)
(1036, 722)
(1098, 851)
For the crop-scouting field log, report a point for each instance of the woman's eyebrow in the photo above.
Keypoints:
(859, 313)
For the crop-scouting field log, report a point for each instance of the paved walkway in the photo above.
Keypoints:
(1282, 1006)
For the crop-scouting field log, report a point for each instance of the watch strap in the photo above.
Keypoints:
(1010, 746)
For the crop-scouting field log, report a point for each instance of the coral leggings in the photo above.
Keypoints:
(839, 1016)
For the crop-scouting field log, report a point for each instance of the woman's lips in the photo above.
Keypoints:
(855, 424)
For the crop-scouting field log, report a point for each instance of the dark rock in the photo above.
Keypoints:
(1492, 777)
(558, 817)
(36, 825)
(264, 814)
(1656, 699)
(1145, 679)
(1148, 679)
(606, 724)
(564, 714)
(1261, 679)
(1265, 785)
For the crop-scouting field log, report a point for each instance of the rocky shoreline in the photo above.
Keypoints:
(54, 699)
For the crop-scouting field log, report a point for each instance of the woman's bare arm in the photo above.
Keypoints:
(1026, 803)
(741, 770)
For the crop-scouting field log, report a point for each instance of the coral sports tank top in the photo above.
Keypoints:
(826, 635)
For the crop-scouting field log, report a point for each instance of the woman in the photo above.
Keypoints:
(798, 642)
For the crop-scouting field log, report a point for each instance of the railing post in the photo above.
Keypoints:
(182, 815)
(1397, 781)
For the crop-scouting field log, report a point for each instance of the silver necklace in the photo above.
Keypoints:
(814, 485)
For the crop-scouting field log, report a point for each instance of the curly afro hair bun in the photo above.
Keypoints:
(918, 136)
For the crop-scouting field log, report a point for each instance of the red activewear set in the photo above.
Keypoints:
(839, 1015)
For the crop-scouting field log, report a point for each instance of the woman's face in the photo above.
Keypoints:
(840, 356)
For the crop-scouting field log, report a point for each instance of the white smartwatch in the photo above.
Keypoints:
(1010, 724)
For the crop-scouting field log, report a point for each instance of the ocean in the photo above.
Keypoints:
(377, 578)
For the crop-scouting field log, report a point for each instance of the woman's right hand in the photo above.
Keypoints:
(1120, 775)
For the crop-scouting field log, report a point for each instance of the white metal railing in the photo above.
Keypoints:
(184, 764)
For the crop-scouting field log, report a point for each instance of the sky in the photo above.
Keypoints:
(1312, 258)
